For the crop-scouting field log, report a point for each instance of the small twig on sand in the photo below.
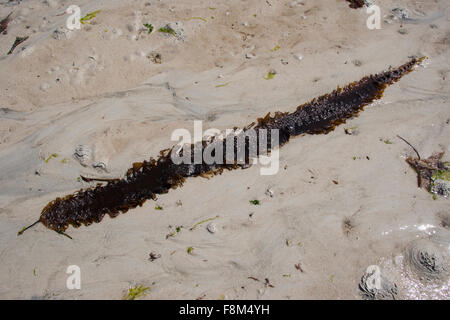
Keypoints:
(409, 144)
(86, 179)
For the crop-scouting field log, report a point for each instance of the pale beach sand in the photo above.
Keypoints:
(98, 87)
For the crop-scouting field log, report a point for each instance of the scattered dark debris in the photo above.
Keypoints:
(18, 41)
(444, 218)
(201, 297)
(255, 279)
(298, 266)
(155, 57)
(172, 234)
(429, 170)
(356, 4)
(153, 256)
(167, 29)
(335, 182)
(255, 202)
(89, 16)
(432, 174)
(4, 24)
(353, 131)
(267, 283)
(347, 226)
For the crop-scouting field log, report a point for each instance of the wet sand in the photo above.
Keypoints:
(100, 87)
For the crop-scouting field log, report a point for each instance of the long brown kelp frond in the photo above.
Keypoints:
(147, 179)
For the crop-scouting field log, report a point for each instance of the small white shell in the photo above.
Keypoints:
(249, 55)
(211, 227)
(83, 154)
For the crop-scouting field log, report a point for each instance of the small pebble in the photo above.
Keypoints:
(211, 227)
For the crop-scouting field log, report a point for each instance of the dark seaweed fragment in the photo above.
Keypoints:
(4, 24)
(356, 4)
(147, 179)
(18, 41)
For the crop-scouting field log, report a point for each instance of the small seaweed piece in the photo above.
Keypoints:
(136, 292)
(53, 155)
(167, 30)
(203, 221)
(153, 256)
(149, 27)
(4, 24)
(198, 18)
(276, 48)
(18, 41)
(89, 16)
(147, 179)
(267, 283)
(158, 208)
(270, 75)
(222, 85)
(189, 250)
(255, 202)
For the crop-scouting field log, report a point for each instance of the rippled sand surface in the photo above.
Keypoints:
(340, 203)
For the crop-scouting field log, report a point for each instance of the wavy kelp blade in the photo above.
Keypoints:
(147, 179)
